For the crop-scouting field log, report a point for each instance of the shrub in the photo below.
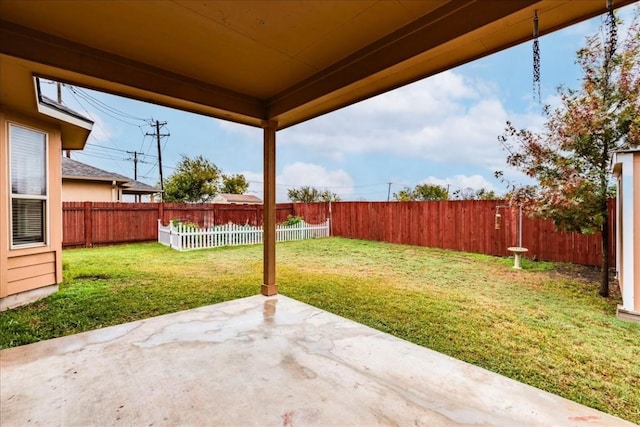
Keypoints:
(292, 220)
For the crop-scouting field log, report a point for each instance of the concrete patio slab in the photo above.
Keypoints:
(262, 361)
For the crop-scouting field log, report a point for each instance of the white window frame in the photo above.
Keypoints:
(45, 198)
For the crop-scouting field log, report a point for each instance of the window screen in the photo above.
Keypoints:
(28, 185)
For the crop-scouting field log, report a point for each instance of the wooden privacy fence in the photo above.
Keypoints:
(184, 237)
(87, 224)
(464, 225)
(467, 225)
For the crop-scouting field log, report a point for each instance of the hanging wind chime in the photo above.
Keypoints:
(536, 59)
(612, 31)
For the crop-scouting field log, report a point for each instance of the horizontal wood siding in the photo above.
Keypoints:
(29, 272)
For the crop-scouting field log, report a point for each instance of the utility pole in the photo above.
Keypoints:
(135, 163)
(135, 171)
(135, 168)
(389, 192)
(159, 136)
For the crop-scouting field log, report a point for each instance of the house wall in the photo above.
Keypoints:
(94, 191)
(627, 170)
(30, 273)
(636, 228)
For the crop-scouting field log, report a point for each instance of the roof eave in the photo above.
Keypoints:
(95, 178)
(74, 128)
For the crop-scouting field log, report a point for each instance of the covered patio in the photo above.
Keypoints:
(266, 64)
(262, 361)
(266, 359)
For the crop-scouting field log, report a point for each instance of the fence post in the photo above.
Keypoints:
(161, 211)
(88, 225)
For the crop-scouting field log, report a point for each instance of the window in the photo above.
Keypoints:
(28, 166)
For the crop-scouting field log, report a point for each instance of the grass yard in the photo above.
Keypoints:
(543, 326)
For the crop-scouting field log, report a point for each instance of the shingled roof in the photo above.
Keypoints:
(238, 198)
(137, 187)
(73, 169)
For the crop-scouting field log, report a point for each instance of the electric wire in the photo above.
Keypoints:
(101, 109)
(121, 113)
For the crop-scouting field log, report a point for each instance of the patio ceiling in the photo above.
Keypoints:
(251, 61)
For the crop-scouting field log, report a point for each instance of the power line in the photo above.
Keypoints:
(104, 108)
(140, 154)
(91, 116)
(86, 95)
(96, 156)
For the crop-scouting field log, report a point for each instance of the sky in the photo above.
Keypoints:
(441, 130)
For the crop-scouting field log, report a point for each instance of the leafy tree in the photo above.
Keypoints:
(430, 192)
(422, 192)
(309, 194)
(404, 195)
(570, 157)
(469, 193)
(194, 181)
(234, 184)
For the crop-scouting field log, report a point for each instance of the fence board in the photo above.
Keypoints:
(185, 237)
(458, 225)
(467, 225)
(104, 223)
(73, 225)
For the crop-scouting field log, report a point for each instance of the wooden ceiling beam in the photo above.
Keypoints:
(453, 20)
(116, 72)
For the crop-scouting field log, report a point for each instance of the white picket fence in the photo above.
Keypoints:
(185, 237)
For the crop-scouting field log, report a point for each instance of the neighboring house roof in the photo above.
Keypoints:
(73, 169)
(239, 198)
(137, 187)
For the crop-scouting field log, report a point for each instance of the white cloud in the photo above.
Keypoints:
(255, 182)
(250, 132)
(447, 118)
(100, 131)
(299, 174)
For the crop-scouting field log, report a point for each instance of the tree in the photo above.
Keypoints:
(570, 157)
(422, 192)
(309, 194)
(404, 195)
(430, 192)
(194, 181)
(234, 184)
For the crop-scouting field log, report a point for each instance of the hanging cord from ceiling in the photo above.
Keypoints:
(536, 59)
(612, 39)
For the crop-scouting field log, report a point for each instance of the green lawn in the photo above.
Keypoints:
(544, 326)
